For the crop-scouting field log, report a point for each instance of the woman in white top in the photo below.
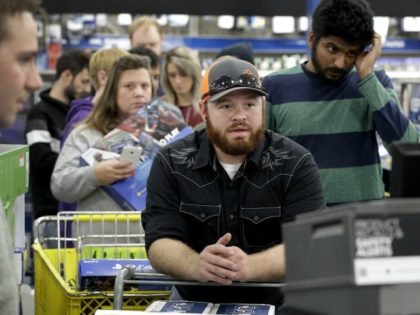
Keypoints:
(128, 88)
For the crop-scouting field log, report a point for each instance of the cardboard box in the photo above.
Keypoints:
(149, 130)
(180, 307)
(99, 274)
(210, 308)
(19, 261)
(14, 171)
(243, 309)
(14, 180)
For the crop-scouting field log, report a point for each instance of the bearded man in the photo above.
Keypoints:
(217, 198)
(338, 102)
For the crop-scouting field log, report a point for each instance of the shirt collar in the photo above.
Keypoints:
(205, 155)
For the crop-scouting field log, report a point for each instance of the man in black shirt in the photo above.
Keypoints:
(217, 198)
(46, 122)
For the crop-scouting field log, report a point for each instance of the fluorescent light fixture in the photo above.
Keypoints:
(124, 19)
(381, 26)
(410, 24)
(283, 24)
(163, 20)
(178, 20)
(303, 24)
(75, 24)
(88, 17)
(101, 19)
(54, 31)
(226, 22)
(241, 22)
(257, 22)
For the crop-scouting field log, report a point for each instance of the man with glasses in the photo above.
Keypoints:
(217, 198)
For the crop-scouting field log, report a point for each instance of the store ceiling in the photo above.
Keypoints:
(217, 7)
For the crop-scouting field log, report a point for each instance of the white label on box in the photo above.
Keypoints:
(27, 169)
(389, 270)
(18, 262)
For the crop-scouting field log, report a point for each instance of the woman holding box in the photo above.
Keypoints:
(128, 88)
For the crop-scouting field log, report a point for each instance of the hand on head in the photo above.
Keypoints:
(366, 59)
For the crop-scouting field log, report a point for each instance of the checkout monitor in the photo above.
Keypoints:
(405, 173)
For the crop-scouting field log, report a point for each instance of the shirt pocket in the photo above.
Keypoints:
(261, 226)
(202, 220)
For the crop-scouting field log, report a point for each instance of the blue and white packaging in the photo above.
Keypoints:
(243, 309)
(174, 306)
(99, 274)
(150, 129)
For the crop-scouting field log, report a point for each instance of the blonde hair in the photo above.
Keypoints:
(145, 21)
(104, 116)
(103, 59)
(187, 62)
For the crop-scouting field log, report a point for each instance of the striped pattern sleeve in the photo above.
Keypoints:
(390, 122)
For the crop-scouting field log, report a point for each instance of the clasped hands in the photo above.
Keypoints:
(223, 264)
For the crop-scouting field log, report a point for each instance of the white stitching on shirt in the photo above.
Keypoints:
(264, 184)
(295, 169)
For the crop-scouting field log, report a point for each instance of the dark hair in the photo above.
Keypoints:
(9, 8)
(351, 20)
(242, 50)
(144, 51)
(75, 61)
(105, 112)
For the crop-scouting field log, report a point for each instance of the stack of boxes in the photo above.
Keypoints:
(14, 183)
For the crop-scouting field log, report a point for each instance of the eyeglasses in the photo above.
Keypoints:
(225, 82)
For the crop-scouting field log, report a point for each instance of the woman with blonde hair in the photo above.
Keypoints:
(181, 81)
(128, 88)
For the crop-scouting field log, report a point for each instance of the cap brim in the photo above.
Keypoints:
(217, 96)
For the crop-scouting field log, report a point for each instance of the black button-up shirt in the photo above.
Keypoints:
(191, 198)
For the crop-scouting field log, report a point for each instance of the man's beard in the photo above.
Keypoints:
(71, 94)
(234, 147)
(323, 71)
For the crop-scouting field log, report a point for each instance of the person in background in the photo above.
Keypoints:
(154, 63)
(181, 80)
(46, 122)
(216, 199)
(335, 103)
(100, 64)
(128, 88)
(18, 50)
(145, 31)
(242, 50)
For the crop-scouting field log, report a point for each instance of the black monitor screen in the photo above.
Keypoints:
(405, 173)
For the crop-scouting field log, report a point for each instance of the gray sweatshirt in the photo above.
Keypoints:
(71, 182)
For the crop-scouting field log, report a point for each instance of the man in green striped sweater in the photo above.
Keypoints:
(336, 103)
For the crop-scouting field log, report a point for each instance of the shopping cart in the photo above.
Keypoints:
(85, 235)
(129, 275)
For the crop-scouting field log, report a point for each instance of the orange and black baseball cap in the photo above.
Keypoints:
(228, 74)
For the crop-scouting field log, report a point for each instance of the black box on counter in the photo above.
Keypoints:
(360, 258)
